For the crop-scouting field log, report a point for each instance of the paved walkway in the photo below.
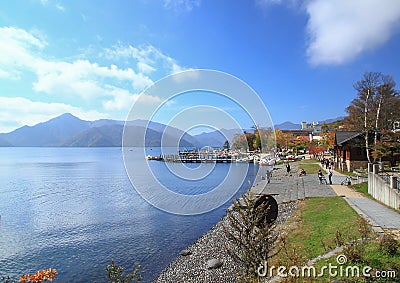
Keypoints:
(378, 215)
(384, 217)
(292, 187)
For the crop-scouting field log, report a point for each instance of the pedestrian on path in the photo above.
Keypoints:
(330, 175)
(288, 168)
(320, 176)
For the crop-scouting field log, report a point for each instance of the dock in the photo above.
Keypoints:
(207, 156)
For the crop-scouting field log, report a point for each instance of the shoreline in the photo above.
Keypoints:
(212, 245)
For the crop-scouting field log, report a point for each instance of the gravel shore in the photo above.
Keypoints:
(194, 268)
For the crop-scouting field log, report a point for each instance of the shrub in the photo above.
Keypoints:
(115, 274)
(388, 244)
(250, 237)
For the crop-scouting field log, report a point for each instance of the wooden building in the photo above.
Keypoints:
(349, 150)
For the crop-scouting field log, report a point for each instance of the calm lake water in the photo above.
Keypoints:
(74, 209)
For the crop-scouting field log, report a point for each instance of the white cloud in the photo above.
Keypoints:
(84, 79)
(16, 48)
(60, 7)
(148, 58)
(123, 100)
(54, 4)
(181, 5)
(18, 111)
(110, 86)
(341, 30)
(145, 68)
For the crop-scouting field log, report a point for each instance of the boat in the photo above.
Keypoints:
(158, 158)
(267, 162)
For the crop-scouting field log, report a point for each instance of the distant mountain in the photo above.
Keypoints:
(328, 121)
(288, 126)
(169, 132)
(103, 136)
(70, 131)
(292, 126)
(216, 138)
(51, 133)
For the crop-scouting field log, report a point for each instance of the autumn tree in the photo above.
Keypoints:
(239, 141)
(262, 139)
(388, 146)
(283, 140)
(375, 109)
(243, 141)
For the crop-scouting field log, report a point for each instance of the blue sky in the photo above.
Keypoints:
(93, 58)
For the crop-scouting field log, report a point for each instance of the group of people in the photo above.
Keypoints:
(322, 178)
(326, 162)
(328, 166)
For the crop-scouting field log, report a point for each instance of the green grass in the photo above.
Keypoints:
(362, 188)
(308, 161)
(351, 174)
(321, 224)
(310, 168)
(322, 217)
(372, 256)
(318, 220)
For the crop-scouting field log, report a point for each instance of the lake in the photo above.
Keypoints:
(74, 209)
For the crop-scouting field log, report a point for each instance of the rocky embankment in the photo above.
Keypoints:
(207, 260)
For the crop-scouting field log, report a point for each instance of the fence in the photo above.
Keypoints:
(383, 188)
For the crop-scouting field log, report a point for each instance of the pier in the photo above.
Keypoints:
(207, 156)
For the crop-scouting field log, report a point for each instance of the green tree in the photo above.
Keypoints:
(376, 107)
(115, 274)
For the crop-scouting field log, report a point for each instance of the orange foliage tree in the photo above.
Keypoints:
(40, 276)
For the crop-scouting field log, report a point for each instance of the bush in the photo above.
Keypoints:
(115, 274)
(250, 238)
(388, 245)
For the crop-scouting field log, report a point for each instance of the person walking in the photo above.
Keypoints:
(288, 168)
(330, 173)
(320, 176)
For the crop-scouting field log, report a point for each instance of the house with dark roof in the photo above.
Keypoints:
(349, 150)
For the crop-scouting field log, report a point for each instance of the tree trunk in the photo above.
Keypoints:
(366, 125)
(378, 111)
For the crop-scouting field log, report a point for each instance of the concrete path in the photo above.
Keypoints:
(378, 215)
(385, 217)
(292, 187)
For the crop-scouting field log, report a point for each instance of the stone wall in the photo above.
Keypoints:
(388, 193)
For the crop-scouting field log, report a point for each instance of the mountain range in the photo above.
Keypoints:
(292, 126)
(69, 131)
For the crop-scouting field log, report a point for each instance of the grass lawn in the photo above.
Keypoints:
(321, 224)
(362, 188)
(311, 160)
(311, 166)
(370, 255)
(316, 225)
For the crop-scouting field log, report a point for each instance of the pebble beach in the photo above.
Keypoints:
(194, 264)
